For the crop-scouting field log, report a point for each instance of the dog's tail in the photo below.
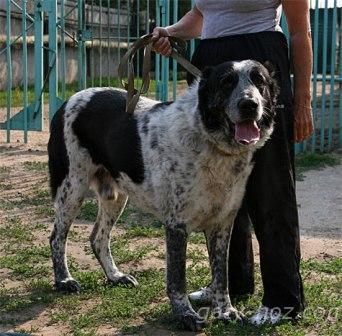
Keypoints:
(58, 157)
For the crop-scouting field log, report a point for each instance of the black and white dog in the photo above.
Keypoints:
(186, 162)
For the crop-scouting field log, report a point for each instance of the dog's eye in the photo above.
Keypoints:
(257, 78)
(228, 79)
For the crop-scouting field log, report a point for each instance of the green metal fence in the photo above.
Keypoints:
(51, 48)
(31, 25)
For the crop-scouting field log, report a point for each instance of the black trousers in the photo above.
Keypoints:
(270, 199)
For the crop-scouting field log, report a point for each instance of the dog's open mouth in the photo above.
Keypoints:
(247, 132)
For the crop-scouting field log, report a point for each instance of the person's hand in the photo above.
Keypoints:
(161, 43)
(303, 123)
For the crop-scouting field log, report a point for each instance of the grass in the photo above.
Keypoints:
(197, 238)
(35, 166)
(40, 198)
(5, 186)
(17, 93)
(331, 266)
(4, 170)
(21, 264)
(195, 255)
(321, 317)
(125, 308)
(136, 221)
(88, 211)
(123, 254)
(14, 230)
(144, 232)
(44, 211)
(313, 161)
(26, 286)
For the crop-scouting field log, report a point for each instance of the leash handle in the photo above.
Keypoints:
(178, 49)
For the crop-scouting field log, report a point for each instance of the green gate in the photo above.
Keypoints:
(62, 46)
(29, 33)
(68, 45)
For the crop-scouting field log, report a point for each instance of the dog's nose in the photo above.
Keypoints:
(248, 106)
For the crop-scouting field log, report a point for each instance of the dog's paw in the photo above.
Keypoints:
(230, 315)
(192, 321)
(202, 296)
(265, 315)
(124, 279)
(68, 286)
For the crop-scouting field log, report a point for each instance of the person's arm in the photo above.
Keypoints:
(298, 21)
(188, 27)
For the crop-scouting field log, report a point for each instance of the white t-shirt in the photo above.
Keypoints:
(231, 17)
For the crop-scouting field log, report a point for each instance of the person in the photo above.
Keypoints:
(235, 30)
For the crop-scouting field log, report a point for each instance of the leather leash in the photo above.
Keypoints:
(178, 48)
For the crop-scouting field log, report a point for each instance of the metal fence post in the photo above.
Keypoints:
(159, 3)
(62, 54)
(165, 60)
(129, 21)
(315, 67)
(100, 47)
(38, 62)
(82, 68)
(324, 74)
(9, 69)
(174, 62)
(138, 34)
(92, 53)
(332, 75)
(192, 42)
(340, 88)
(25, 73)
(53, 62)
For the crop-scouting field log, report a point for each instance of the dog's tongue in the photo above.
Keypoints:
(247, 133)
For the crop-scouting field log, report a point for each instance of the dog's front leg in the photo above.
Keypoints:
(176, 242)
(218, 243)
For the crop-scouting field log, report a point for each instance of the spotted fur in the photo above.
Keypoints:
(178, 161)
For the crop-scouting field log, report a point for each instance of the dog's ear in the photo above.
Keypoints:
(270, 68)
(204, 80)
(274, 87)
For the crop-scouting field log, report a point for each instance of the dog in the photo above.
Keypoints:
(186, 162)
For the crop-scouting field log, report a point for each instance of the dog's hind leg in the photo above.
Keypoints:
(68, 201)
(218, 243)
(110, 209)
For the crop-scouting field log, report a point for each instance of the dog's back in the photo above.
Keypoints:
(98, 119)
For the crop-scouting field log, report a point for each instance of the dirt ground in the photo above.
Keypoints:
(319, 202)
(319, 198)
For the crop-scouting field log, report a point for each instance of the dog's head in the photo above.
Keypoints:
(237, 102)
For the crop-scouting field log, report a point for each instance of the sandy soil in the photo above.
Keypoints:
(320, 211)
